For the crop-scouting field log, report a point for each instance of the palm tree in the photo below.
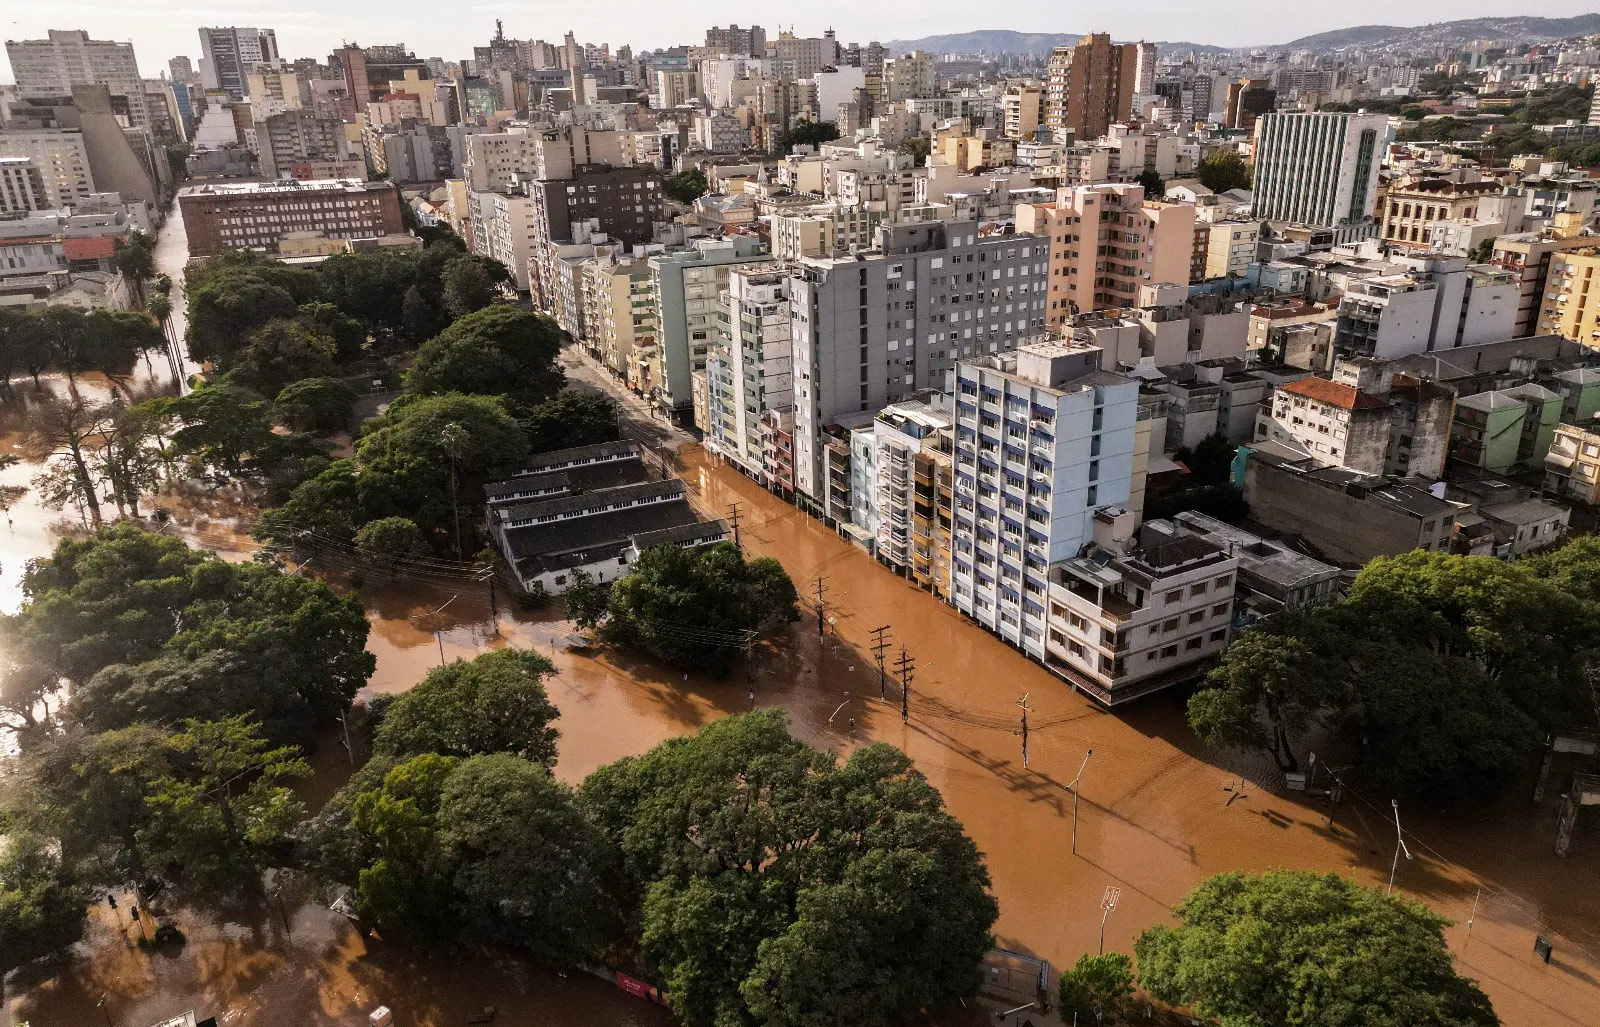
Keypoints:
(160, 308)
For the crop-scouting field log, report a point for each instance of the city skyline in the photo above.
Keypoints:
(159, 32)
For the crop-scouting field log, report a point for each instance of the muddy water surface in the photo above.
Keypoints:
(1156, 814)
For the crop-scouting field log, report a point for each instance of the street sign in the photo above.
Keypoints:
(1110, 901)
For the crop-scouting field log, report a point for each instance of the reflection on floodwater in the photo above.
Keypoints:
(1158, 813)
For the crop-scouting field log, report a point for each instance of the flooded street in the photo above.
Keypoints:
(1157, 814)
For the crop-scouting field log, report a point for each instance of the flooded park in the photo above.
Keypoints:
(1157, 811)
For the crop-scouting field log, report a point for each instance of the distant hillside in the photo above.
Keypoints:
(1005, 41)
(986, 41)
(1448, 33)
(1451, 33)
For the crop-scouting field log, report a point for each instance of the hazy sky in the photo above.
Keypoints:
(160, 29)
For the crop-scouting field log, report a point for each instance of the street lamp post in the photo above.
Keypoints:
(1399, 845)
(437, 637)
(1073, 787)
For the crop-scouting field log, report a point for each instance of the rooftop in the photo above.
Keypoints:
(557, 505)
(287, 186)
(1345, 397)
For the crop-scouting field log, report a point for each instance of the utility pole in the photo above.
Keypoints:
(1073, 787)
(1023, 705)
(733, 515)
(821, 588)
(879, 647)
(1399, 845)
(905, 666)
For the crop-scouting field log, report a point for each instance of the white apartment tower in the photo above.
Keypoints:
(756, 362)
(50, 67)
(1318, 169)
(1044, 438)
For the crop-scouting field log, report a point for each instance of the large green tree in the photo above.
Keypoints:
(315, 404)
(495, 702)
(693, 608)
(1222, 170)
(41, 905)
(1298, 949)
(1267, 689)
(528, 866)
(224, 813)
(495, 351)
(283, 352)
(569, 418)
(772, 885)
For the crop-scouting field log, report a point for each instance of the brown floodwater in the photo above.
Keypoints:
(1157, 814)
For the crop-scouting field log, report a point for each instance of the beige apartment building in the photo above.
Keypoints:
(1137, 615)
(1105, 242)
(619, 314)
(1020, 107)
(1571, 304)
(1572, 467)
(1089, 87)
(1231, 247)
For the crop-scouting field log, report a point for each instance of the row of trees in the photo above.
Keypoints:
(1461, 665)
(193, 684)
(755, 877)
(385, 302)
(73, 342)
(479, 398)
(1287, 947)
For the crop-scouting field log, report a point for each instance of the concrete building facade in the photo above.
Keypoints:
(1317, 169)
(1044, 438)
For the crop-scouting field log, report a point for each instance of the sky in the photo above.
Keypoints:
(160, 29)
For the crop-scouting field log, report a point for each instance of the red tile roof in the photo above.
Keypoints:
(1346, 397)
(99, 247)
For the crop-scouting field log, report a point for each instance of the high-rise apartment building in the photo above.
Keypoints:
(49, 68)
(735, 41)
(1248, 99)
(808, 55)
(1144, 72)
(22, 186)
(1020, 105)
(1104, 242)
(229, 54)
(751, 369)
(909, 75)
(624, 203)
(873, 328)
(1090, 86)
(688, 286)
(1044, 438)
(1318, 169)
(295, 136)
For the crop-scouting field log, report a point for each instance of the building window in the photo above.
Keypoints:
(1175, 596)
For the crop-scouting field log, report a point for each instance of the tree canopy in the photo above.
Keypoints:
(687, 185)
(770, 884)
(495, 351)
(691, 608)
(493, 703)
(1222, 170)
(1463, 662)
(1299, 948)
